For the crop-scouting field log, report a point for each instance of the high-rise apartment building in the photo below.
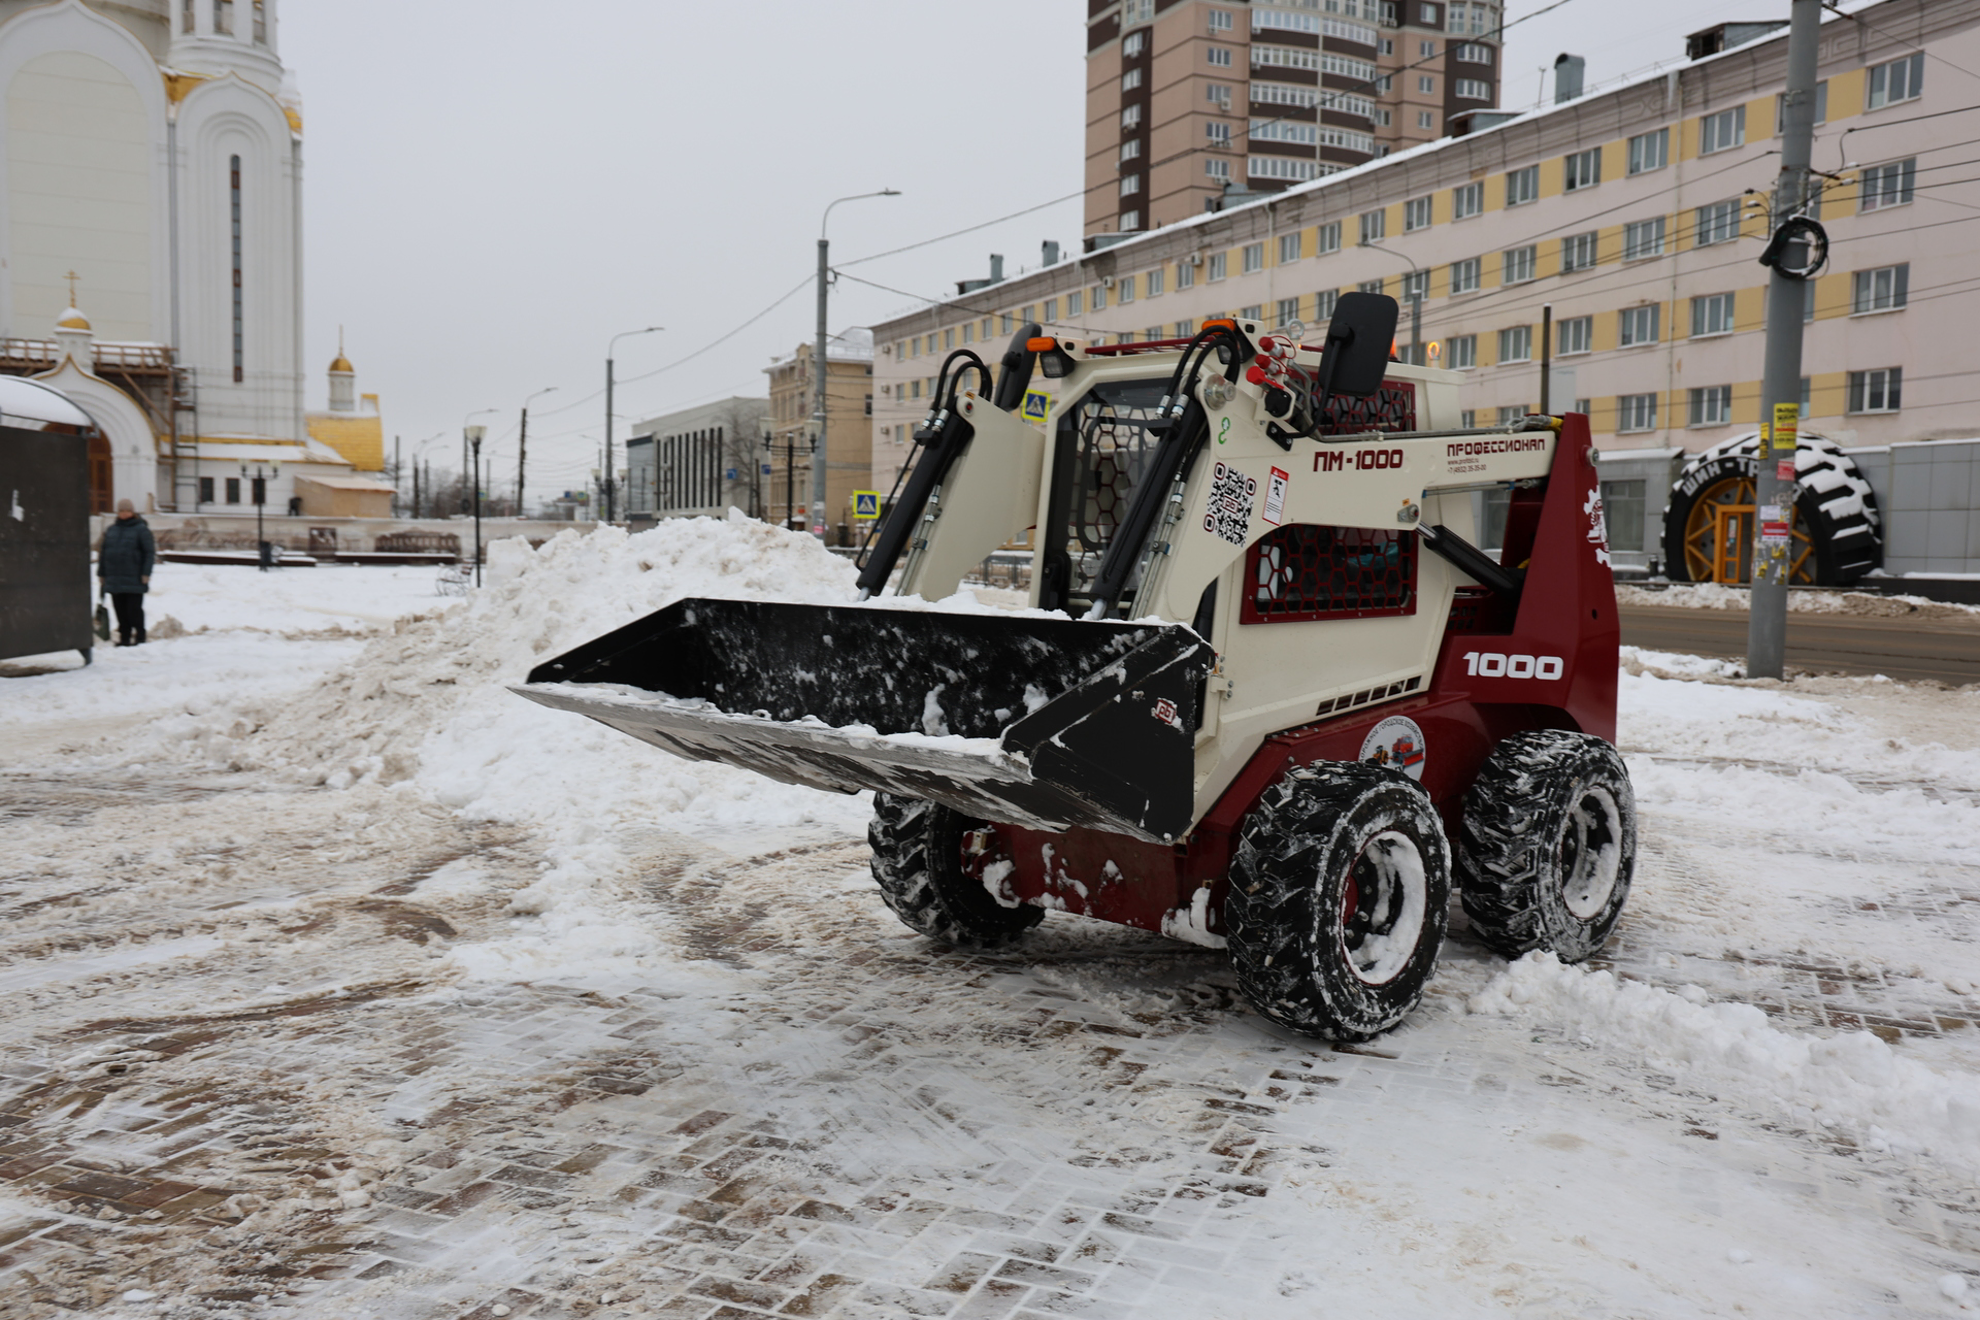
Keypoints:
(1188, 99)
(1436, 60)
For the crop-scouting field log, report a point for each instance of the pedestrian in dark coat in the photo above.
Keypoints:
(123, 565)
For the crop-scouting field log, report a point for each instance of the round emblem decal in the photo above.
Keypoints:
(1396, 742)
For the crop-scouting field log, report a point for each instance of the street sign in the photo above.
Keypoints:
(1037, 407)
(866, 504)
(766, 469)
(730, 475)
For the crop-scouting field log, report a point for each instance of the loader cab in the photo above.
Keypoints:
(1101, 449)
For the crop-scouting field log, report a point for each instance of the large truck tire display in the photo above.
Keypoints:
(1708, 528)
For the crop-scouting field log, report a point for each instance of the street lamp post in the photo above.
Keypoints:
(474, 434)
(821, 447)
(522, 448)
(419, 451)
(1415, 302)
(479, 412)
(259, 490)
(609, 347)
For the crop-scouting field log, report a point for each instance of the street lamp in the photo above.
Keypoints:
(609, 347)
(478, 412)
(522, 452)
(1415, 301)
(474, 434)
(821, 448)
(419, 448)
(259, 490)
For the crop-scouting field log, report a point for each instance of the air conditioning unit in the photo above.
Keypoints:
(1106, 281)
(1193, 259)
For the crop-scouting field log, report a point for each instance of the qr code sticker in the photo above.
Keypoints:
(1229, 514)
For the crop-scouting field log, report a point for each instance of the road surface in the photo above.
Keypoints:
(1943, 649)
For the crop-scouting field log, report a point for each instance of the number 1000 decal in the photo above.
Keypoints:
(1490, 664)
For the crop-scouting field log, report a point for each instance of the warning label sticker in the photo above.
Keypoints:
(1229, 513)
(1275, 496)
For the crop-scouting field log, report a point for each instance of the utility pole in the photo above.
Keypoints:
(1780, 384)
(607, 471)
(820, 450)
(398, 471)
(474, 434)
(522, 454)
(1546, 359)
(415, 486)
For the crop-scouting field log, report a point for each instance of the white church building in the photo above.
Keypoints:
(151, 245)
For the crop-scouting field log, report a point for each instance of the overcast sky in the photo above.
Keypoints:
(493, 191)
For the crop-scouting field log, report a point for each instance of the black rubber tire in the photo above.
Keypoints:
(918, 864)
(1291, 942)
(1835, 505)
(1525, 872)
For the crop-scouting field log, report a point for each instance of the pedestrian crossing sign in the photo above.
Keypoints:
(866, 504)
(1037, 407)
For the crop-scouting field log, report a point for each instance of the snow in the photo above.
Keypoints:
(1749, 1104)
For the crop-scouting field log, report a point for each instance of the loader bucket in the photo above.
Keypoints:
(1044, 722)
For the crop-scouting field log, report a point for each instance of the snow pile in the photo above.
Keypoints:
(1853, 1084)
(1715, 596)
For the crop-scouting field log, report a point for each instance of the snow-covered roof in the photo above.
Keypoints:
(26, 401)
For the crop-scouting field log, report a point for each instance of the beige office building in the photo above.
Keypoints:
(1636, 214)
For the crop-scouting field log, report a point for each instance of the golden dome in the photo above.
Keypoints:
(343, 364)
(73, 319)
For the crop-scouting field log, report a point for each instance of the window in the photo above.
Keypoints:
(1218, 57)
(1416, 286)
(1374, 225)
(1643, 238)
(1220, 20)
(1468, 419)
(1821, 107)
(1185, 276)
(1472, 52)
(1426, 118)
(986, 320)
(1130, 221)
(1888, 185)
(1218, 94)
(1472, 89)
(1427, 15)
(223, 23)
(1712, 315)
(1584, 170)
(1578, 252)
(1130, 185)
(1512, 413)
(1155, 280)
(1152, 334)
(1520, 263)
(1461, 352)
(1425, 49)
(261, 22)
(1137, 11)
(1287, 312)
(233, 490)
(1467, 201)
(1370, 286)
(1722, 131)
(1523, 186)
(1051, 316)
(1327, 238)
(1869, 392)
(1290, 246)
(1252, 313)
(1124, 290)
(1096, 298)
(240, 336)
(1650, 151)
(1133, 44)
(1217, 266)
(1284, 130)
(1711, 406)
(205, 483)
(1576, 334)
(1184, 329)
(1131, 79)
(1217, 169)
(1324, 303)
(1636, 412)
(1622, 513)
(1900, 80)
(949, 336)
(1131, 116)
(1638, 325)
(1716, 223)
(1416, 214)
(1880, 290)
(1516, 345)
(1464, 276)
(1426, 84)
(186, 21)
(1281, 167)
(1253, 257)
(1075, 306)
(1131, 149)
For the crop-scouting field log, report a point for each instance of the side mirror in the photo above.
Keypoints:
(1356, 355)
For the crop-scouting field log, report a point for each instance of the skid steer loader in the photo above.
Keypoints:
(1269, 695)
